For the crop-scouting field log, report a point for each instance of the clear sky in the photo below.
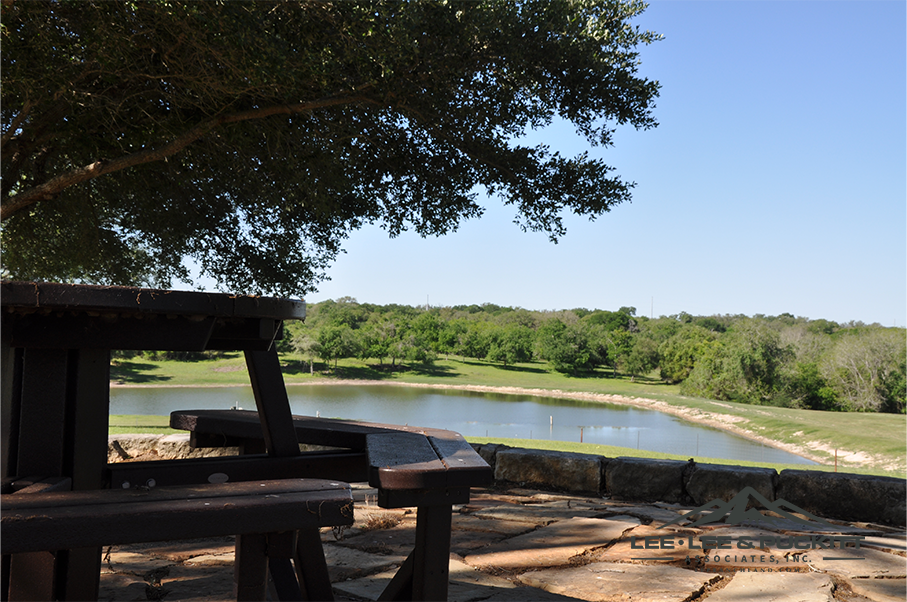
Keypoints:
(776, 182)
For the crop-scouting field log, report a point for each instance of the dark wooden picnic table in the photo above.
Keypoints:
(56, 344)
(430, 469)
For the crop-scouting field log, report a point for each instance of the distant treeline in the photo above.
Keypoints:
(776, 360)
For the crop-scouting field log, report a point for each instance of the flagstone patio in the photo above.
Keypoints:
(520, 544)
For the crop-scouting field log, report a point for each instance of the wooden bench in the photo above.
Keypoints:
(430, 469)
(266, 513)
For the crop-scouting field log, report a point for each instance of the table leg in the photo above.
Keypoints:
(43, 410)
(88, 418)
(250, 568)
(311, 568)
(280, 440)
(10, 396)
(426, 572)
(281, 549)
(67, 394)
(32, 577)
(43, 388)
(272, 402)
(431, 566)
(401, 586)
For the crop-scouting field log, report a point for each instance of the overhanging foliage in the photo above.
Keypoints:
(253, 136)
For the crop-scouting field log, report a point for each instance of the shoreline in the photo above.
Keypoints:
(722, 422)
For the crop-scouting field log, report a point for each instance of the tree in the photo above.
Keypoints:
(681, 351)
(336, 342)
(306, 344)
(253, 136)
(619, 345)
(745, 365)
(566, 347)
(511, 344)
(867, 367)
(643, 356)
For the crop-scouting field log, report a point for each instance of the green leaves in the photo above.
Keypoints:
(253, 137)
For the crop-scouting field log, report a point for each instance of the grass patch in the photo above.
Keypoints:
(140, 424)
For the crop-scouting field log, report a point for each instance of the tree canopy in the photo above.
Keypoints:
(253, 136)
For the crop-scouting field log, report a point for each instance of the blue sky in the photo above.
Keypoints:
(775, 183)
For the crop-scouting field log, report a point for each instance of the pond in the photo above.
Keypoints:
(473, 414)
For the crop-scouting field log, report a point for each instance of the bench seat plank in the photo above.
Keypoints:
(54, 521)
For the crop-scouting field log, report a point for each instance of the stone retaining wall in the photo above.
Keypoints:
(840, 496)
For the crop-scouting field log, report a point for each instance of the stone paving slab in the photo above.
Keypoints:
(401, 539)
(346, 563)
(466, 585)
(197, 584)
(658, 516)
(117, 587)
(859, 563)
(213, 559)
(549, 496)
(505, 527)
(609, 582)
(385, 542)
(887, 543)
(123, 561)
(180, 551)
(788, 526)
(880, 590)
(568, 504)
(467, 542)
(522, 594)
(552, 545)
(783, 525)
(535, 513)
(776, 587)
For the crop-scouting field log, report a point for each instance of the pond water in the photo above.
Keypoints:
(472, 414)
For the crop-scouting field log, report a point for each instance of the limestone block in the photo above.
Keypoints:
(645, 480)
(488, 451)
(159, 447)
(562, 470)
(846, 496)
(707, 482)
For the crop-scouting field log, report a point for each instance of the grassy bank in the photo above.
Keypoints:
(140, 424)
(870, 441)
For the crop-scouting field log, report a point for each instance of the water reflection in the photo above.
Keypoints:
(473, 414)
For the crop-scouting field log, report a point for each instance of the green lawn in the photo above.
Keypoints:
(140, 424)
(883, 437)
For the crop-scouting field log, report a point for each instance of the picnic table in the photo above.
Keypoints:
(56, 344)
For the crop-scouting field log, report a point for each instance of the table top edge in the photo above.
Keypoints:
(31, 296)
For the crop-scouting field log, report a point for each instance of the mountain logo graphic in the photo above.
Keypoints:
(735, 511)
